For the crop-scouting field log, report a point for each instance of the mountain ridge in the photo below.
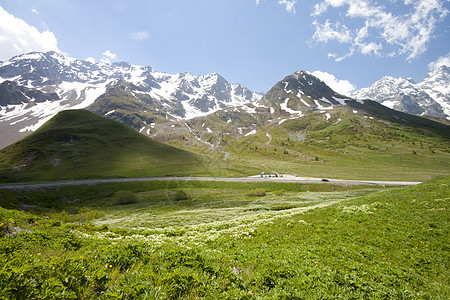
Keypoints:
(78, 83)
(148, 101)
(429, 97)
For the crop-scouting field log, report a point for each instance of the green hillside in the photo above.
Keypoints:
(348, 143)
(80, 144)
(360, 142)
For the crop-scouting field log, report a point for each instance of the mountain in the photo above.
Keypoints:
(300, 96)
(80, 144)
(39, 85)
(302, 91)
(300, 126)
(430, 97)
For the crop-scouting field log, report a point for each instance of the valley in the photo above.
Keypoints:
(122, 182)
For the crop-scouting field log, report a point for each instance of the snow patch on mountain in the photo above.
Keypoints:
(284, 106)
(78, 83)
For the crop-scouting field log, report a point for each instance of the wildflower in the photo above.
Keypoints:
(39, 253)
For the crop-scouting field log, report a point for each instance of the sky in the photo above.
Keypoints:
(349, 44)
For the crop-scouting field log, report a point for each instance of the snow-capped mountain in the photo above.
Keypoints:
(302, 91)
(36, 86)
(429, 97)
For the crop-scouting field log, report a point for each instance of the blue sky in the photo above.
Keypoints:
(257, 43)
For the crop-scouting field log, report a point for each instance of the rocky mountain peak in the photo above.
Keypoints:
(78, 83)
(430, 97)
(440, 75)
(301, 91)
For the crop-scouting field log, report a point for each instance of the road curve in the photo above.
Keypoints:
(256, 178)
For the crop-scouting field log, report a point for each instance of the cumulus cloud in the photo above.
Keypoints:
(343, 87)
(441, 61)
(107, 56)
(379, 30)
(139, 36)
(18, 37)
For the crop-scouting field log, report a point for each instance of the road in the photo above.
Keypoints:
(256, 178)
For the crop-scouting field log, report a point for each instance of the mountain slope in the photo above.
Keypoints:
(299, 92)
(76, 84)
(355, 139)
(430, 97)
(80, 144)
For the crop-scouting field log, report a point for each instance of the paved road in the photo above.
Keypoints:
(256, 178)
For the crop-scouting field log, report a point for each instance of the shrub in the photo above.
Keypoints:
(86, 214)
(280, 192)
(256, 193)
(125, 197)
(180, 195)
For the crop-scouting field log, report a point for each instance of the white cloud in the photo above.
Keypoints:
(343, 87)
(341, 58)
(18, 37)
(441, 61)
(380, 31)
(289, 5)
(35, 11)
(328, 31)
(139, 36)
(91, 60)
(107, 56)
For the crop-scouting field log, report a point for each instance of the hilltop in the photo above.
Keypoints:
(80, 144)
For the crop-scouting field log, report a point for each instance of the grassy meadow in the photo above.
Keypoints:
(341, 143)
(220, 240)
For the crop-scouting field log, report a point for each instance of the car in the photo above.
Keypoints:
(325, 180)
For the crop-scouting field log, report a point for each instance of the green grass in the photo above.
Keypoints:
(347, 146)
(79, 144)
(297, 242)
